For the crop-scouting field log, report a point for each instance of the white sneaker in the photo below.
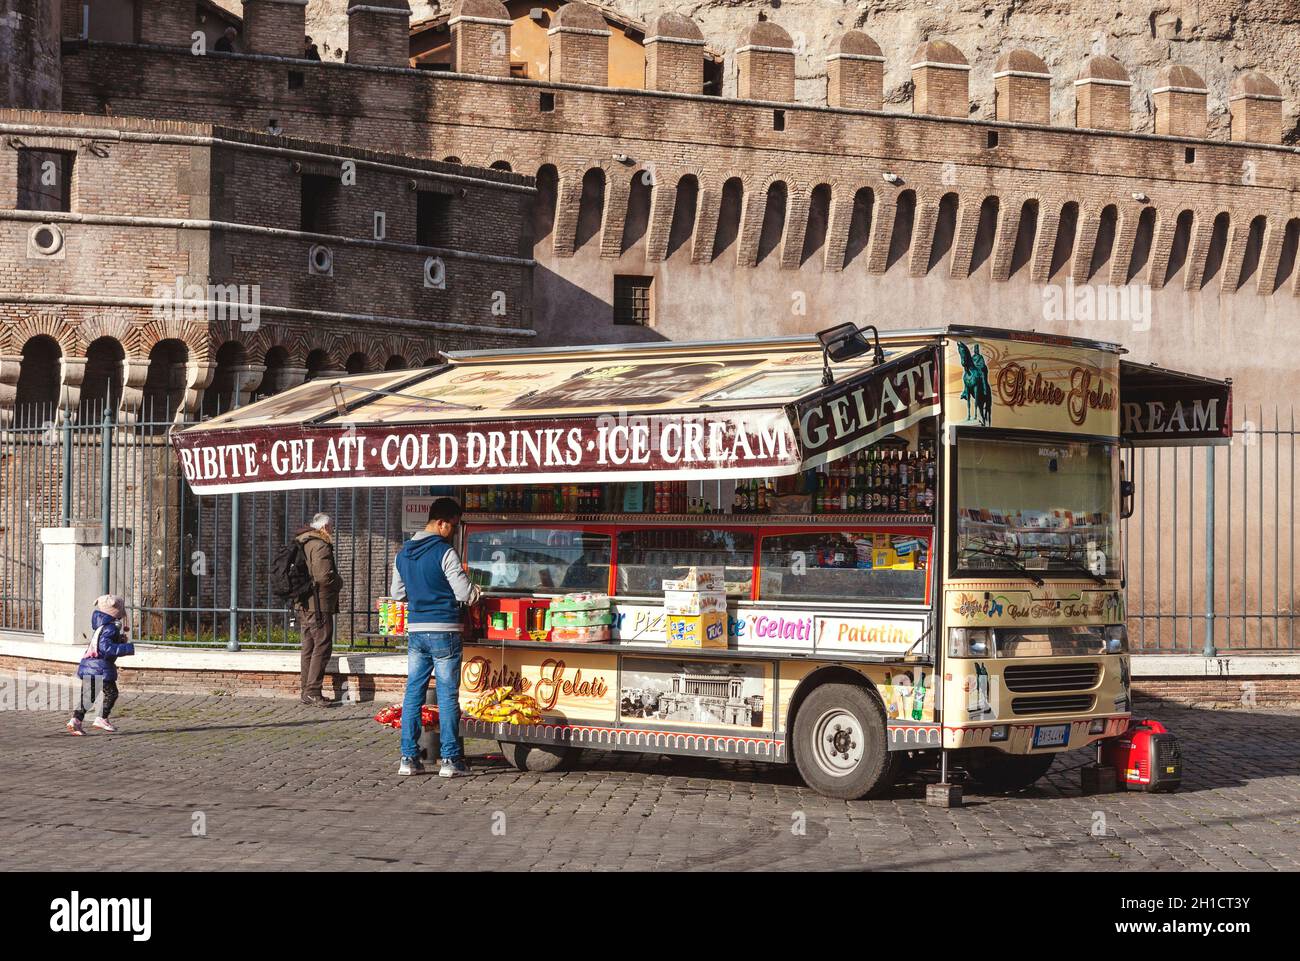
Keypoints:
(74, 727)
(103, 725)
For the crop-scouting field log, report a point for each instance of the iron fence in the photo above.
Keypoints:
(195, 570)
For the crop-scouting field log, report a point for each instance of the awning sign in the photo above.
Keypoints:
(1165, 408)
(852, 415)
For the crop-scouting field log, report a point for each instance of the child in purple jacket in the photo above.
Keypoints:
(98, 667)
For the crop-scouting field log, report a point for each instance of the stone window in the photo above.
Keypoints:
(432, 218)
(633, 301)
(45, 180)
(321, 203)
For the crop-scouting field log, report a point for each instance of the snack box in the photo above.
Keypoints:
(556, 618)
(694, 602)
(697, 630)
(597, 634)
(580, 602)
(699, 579)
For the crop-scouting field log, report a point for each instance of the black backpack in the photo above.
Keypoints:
(290, 579)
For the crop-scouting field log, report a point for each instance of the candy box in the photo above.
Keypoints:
(581, 602)
(595, 634)
(694, 602)
(699, 579)
(697, 630)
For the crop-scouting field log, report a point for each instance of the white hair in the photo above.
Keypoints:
(319, 521)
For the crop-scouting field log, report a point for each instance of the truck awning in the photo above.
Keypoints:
(645, 412)
(1167, 408)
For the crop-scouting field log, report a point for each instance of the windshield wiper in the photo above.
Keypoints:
(1034, 578)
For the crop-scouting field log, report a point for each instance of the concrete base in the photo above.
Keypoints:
(1098, 779)
(70, 582)
(943, 795)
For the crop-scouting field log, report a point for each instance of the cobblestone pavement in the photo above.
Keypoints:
(284, 786)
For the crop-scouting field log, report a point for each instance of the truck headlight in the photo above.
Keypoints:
(968, 642)
(1116, 639)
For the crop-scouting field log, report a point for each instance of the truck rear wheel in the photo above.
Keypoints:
(538, 758)
(841, 744)
(1008, 772)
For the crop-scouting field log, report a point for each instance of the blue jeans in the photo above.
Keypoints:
(437, 653)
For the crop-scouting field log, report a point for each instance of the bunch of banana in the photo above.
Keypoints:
(502, 705)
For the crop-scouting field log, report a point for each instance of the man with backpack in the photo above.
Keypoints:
(316, 597)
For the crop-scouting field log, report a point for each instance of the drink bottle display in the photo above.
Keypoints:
(918, 697)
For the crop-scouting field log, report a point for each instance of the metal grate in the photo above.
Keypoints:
(1026, 678)
(632, 303)
(1058, 704)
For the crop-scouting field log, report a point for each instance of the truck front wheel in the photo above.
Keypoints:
(841, 743)
(539, 758)
(1007, 772)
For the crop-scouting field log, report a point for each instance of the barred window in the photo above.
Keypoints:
(632, 301)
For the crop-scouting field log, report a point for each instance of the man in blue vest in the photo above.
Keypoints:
(429, 576)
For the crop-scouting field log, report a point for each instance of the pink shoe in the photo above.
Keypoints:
(74, 727)
(103, 725)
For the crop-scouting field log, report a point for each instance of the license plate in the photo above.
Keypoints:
(1052, 735)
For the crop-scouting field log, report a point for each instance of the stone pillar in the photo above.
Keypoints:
(855, 73)
(480, 38)
(1255, 103)
(279, 379)
(277, 27)
(247, 378)
(135, 371)
(1102, 95)
(71, 579)
(11, 366)
(72, 374)
(1179, 98)
(192, 379)
(167, 23)
(674, 55)
(579, 42)
(379, 33)
(765, 64)
(1023, 88)
(940, 80)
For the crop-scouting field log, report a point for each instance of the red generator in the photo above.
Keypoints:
(1146, 756)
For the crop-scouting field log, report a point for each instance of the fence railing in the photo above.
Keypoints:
(195, 571)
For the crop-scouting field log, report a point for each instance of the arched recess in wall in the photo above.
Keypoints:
(220, 395)
(164, 384)
(39, 378)
(548, 180)
(1022, 251)
(1067, 228)
(945, 231)
(900, 238)
(591, 206)
(396, 362)
(318, 362)
(1142, 240)
(501, 165)
(819, 216)
(101, 386)
(1218, 247)
(1254, 250)
(774, 211)
(638, 211)
(1105, 245)
(431, 362)
(357, 363)
(986, 235)
(683, 226)
(859, 224)
(1287, 260)
(1181, 244)
(275, 361)
(451, 160)
(729, 211)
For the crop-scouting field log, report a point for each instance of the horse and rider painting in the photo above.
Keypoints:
(975, 385)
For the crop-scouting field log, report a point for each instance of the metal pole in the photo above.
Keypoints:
(106, 499)
(232, 643)
(67, 469)
(1209, 552)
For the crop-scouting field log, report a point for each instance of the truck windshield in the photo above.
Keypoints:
(1045, 506)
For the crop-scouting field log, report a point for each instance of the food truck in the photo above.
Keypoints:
(852, 552)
